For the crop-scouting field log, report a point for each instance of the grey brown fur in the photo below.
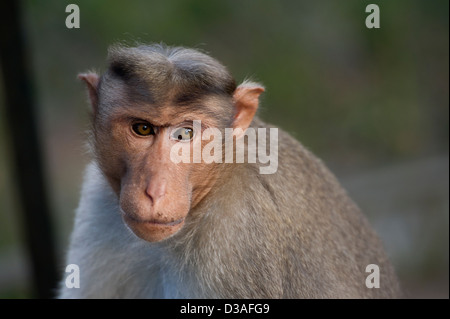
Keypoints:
(292, 234)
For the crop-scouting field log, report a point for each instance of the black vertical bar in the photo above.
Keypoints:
(17, 80)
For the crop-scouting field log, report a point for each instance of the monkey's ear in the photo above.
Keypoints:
(246, 101)
(91, 80)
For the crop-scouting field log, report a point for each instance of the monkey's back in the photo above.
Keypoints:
(327, 242)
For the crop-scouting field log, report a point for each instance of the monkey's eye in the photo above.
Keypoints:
(143, 129)
(182, 134)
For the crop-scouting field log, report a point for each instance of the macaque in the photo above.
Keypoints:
(151, 227)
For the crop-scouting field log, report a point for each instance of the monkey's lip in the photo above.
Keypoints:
(154, 222)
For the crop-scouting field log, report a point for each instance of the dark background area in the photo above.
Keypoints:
(372, 103)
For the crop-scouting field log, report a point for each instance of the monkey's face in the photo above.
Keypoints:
(155, 192)
(143, 107)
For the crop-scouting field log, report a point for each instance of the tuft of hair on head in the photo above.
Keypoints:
(161, 65)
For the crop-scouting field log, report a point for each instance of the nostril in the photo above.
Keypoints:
(149, 196)
(156, 190)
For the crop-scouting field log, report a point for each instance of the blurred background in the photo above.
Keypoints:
(372, 103)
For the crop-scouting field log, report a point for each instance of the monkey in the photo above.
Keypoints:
(147, 227)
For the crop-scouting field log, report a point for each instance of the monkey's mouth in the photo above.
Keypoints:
(152, 229)
(153, 221)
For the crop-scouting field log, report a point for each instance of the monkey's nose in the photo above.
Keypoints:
(156, 190)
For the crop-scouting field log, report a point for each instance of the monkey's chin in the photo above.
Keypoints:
(153, 231)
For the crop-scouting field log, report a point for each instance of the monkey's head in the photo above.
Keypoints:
(143, 105)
